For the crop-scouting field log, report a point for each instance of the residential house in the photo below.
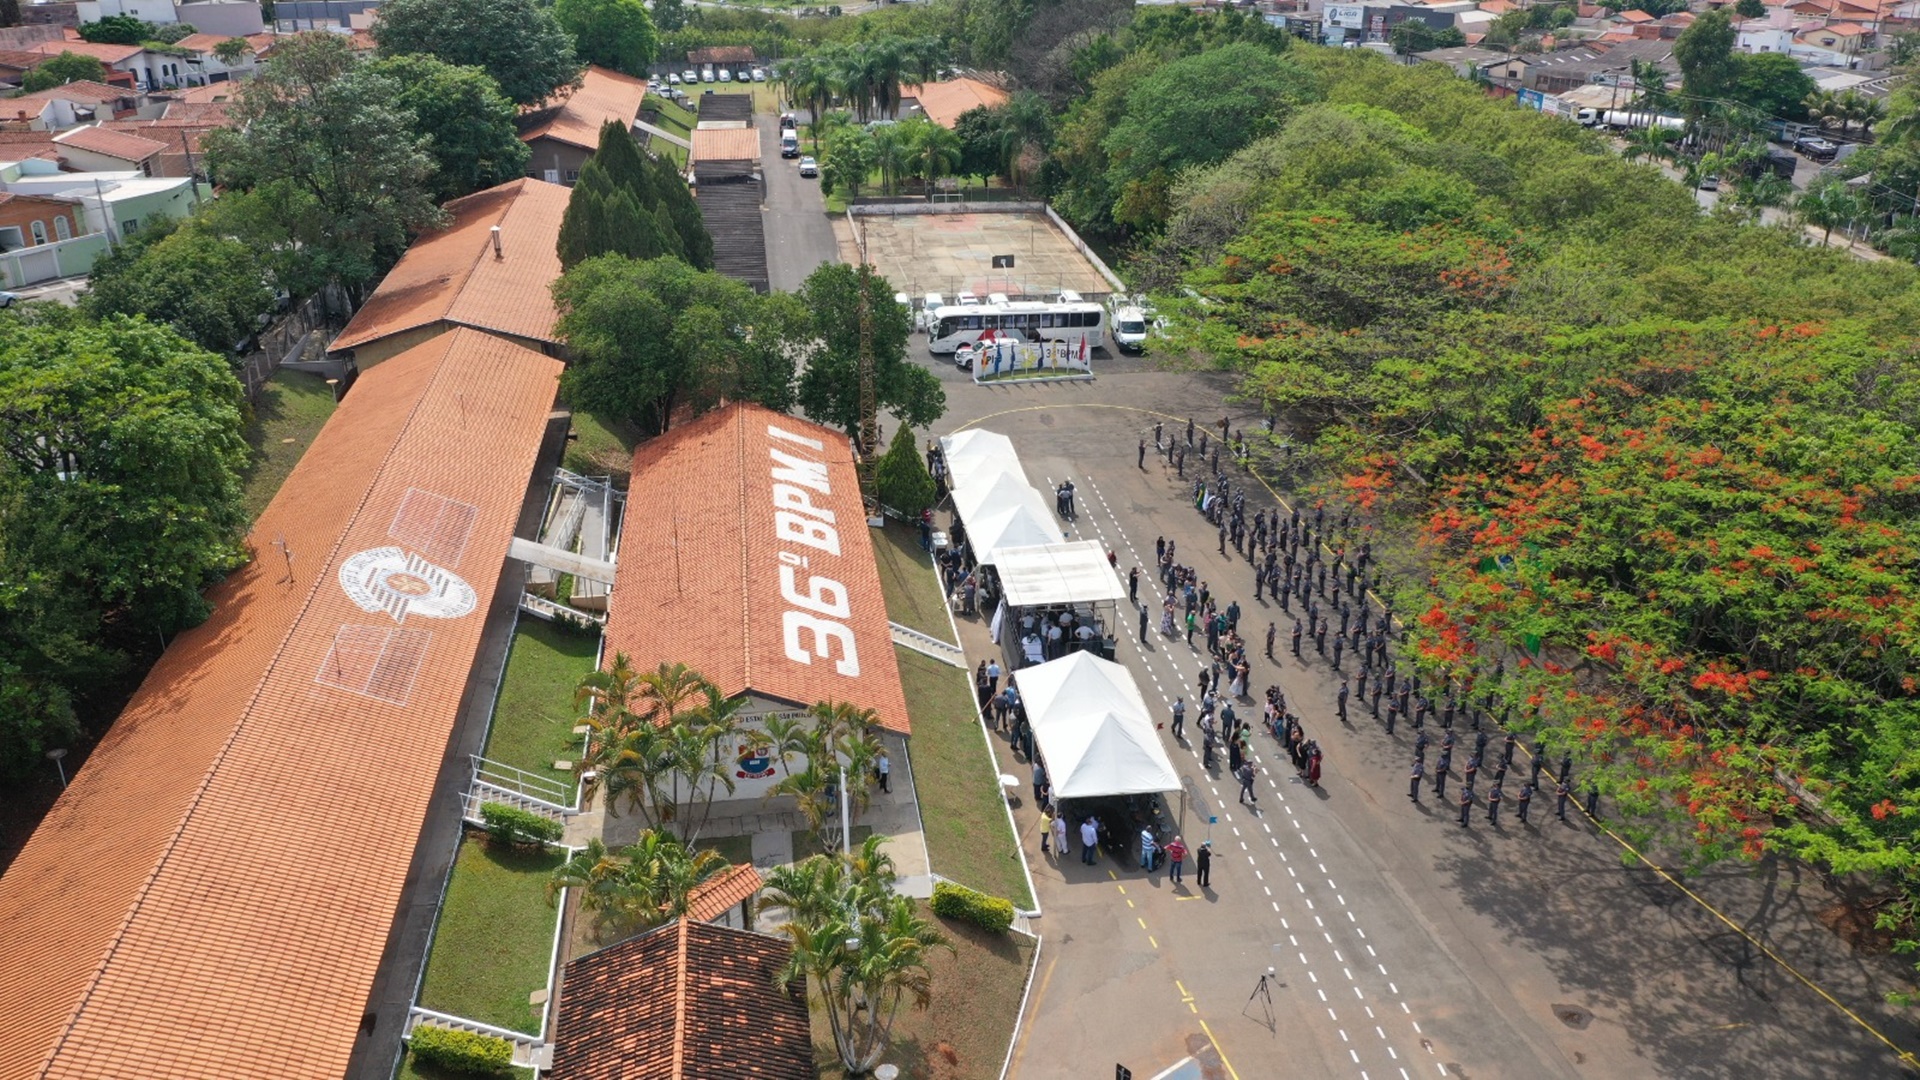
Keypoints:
(92, 148)
(43, 237)
(489, 269)
(1845, 38)
(62, 107)
(15, 63)
(564, 134)
(128, 65)
(942, 102)
(684, 1001)
(20, 145)
(206, 67)
(182, 154)
(727, 897)
(119, 202)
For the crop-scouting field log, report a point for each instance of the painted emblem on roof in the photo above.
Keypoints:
(399, 583)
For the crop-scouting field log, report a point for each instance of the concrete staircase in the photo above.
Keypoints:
(928, 645)
(528, 1050)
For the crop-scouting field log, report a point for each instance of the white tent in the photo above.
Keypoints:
(1093, 728)
(976, 452)
(1075, 573)
(1025, 524)
(990, 495)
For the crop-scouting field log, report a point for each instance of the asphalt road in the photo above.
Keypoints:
(1403, 945)
(799, 235)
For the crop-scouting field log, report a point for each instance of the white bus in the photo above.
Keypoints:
(1020, 320)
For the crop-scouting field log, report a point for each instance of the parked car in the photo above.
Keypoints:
(1817, 148)
(809, 167)
(963, 356)
(1710, 183)
(759, 74)
(674, 79)
(789, 144)
(689, 76)
(725, 75)
(8, 299)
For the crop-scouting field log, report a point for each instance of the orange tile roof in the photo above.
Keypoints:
(21, 59)
(453, 276)
(1635, 16)
(206, 43)
(106, 54)
(186, 909)
(15, 145)
(723, 892)
(725, 144)
(705, 548)
(80, 91)
(601, 96)
(1842, 29)
(112, 142)
(685, 1000)
(943, 102)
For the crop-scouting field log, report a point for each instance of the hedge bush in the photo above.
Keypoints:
(512, 825)
(959, 902)
(462, 1051)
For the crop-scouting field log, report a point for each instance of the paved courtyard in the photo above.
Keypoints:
(952, 253)
(1403, 945)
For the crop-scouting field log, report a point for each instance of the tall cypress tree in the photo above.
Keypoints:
(631, 204)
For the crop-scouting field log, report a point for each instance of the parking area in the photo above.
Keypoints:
(953, 253)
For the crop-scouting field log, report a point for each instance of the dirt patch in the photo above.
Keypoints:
(1854, 924)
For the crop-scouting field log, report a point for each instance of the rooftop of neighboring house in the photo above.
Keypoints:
(205, 44)
(944, 101)
(181, 885)
(453, 275)
(601, 96)
(81, 92)
(111, 142)
(106, 54)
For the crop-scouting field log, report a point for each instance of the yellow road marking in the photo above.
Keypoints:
(1122, 888)
(1142, 922)
(1184, 996)
(1152, 941)
(1217, 1050)
(1129, 903)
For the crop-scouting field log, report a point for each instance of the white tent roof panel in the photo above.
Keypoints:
(1093, 728)
(1075, 573)
(976, 452)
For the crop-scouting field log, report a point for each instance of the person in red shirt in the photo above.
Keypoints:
(1176, 855)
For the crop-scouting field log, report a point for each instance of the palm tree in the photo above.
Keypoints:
(643, 884)
(1649, 142)
(1823, 107)
(1828, 205)
(1902, 126)
(890, 153)
(861, 948)
(699, 752)
(1025, 123)
(936, 150)
(809, 83)
(1861, 110)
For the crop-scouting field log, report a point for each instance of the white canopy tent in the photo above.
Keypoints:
(993, 494)
(1051, 574)
(975, 452)
(1093, 728)
(1026, 524)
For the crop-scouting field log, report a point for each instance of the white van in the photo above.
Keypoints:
(706, 73)
(1130, 329)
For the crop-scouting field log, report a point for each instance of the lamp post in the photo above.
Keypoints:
(333, 387)
(55, 755)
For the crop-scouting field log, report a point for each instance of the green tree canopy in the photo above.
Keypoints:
(1705, 54)
(1771, 84)
(334, 177)
(119, 502)
(629, 203)
(653, 338)
(901, 477)
(829, 389)
(467, 122)
(65, 68)
(518, 42)
(615, 34)
(210, 288)
(117, 30)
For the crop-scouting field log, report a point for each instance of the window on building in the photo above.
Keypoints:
(130, 226)
(61, 229)
(573, 175)
(11, 237)
(39, 232)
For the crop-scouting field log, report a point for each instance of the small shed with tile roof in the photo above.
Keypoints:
(684, 1001)
(727, 897)
(186, 910)
(92, 148)
(456, 276)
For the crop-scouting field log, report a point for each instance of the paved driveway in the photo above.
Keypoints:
(799, 234)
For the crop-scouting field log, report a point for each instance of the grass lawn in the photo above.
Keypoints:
(290, 412)
(961, 806)
(908, 583)
(604, 447)
(673, 116)
(964, 1034)
(534, 719)
(495, 937)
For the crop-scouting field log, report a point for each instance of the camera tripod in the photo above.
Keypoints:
(1262, 990)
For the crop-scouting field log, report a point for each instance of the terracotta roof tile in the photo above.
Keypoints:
(601, 96)
(106, 54)
(723, 892)
(685, 1001)
(206, 43)
(82, 91)
(114, 143)
(725, 144)
(453, 276)
(943, 102)
(705, 546)
(21, 59)
(186, 909)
